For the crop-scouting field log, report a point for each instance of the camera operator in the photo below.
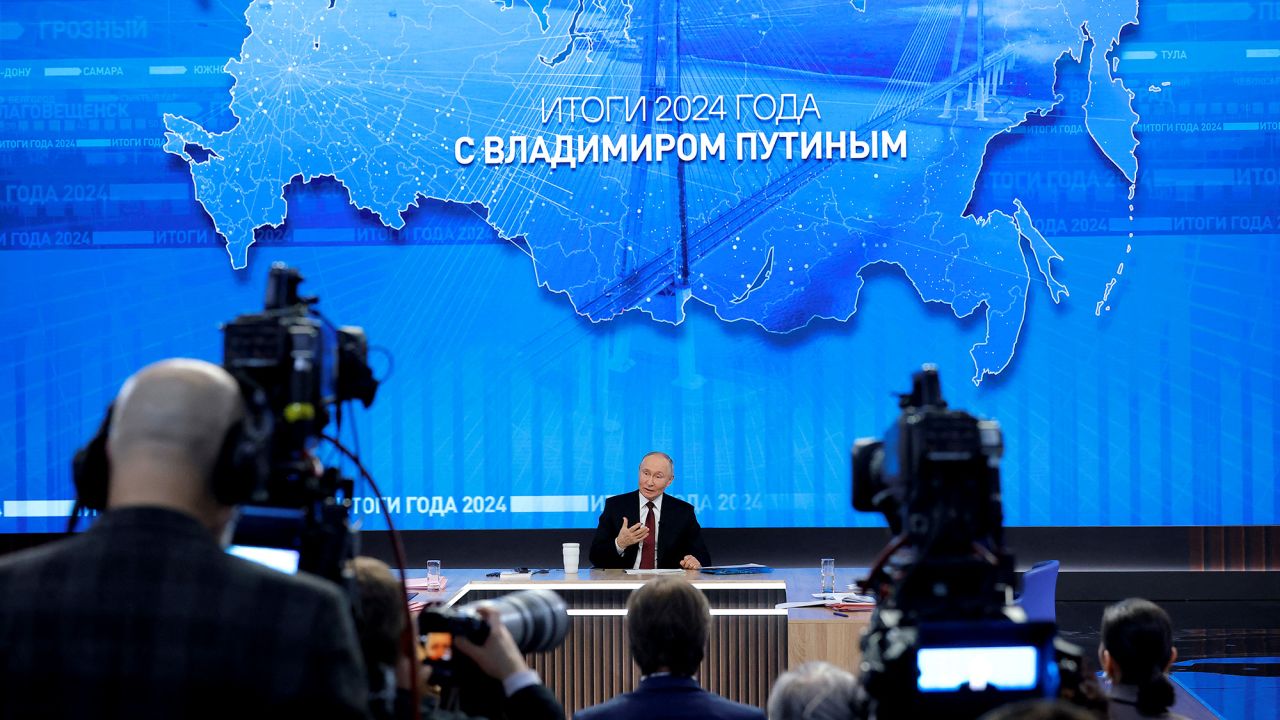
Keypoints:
(381, 626)
(144, 615)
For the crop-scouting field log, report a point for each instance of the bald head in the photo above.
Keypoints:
(167, 426)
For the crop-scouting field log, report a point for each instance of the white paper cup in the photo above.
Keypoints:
(570, 558)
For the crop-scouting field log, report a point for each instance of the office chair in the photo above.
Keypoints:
(1039, 591)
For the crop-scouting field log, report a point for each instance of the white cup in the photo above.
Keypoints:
(570, 558)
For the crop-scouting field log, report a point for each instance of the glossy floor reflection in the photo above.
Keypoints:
(1236, 688)
(1229, 674)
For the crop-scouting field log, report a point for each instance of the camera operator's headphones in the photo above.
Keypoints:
(240, 468)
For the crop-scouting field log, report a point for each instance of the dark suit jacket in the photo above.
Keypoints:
(670, 697)
(679, 533)
(144, 616)
(533, 702)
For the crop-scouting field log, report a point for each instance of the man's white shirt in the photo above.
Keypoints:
(641, 517)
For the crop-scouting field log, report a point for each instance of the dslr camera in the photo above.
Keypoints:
(295, 370)
(946, 638)
(538, 621)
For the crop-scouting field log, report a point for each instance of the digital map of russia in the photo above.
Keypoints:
(404, 103)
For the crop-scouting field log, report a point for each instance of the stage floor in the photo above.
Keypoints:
(1230, 674)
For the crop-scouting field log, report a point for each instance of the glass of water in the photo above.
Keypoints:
(433, 576)
(828, 575)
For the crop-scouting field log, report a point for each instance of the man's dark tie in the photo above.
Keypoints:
(647, 546)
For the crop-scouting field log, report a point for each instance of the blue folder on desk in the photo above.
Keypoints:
(747, 569)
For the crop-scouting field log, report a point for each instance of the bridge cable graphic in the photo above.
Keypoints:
(669, 273)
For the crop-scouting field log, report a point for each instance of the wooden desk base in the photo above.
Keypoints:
(834, 640)
(750, 643)
(745, 655)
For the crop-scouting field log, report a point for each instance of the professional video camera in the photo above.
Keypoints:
(293, 366)
(538, 620)
(945, 638)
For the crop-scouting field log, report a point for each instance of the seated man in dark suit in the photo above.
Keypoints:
(668, 622)
(665, 534)
(144, 615)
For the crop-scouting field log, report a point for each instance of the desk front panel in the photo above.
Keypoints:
(750, 642)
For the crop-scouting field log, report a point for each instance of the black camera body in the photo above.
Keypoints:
(946, 638)
(538, 621)
(936, 478)
(293, 367)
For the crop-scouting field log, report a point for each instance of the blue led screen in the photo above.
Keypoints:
(587, 230)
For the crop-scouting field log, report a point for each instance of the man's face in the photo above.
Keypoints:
(439, 646)
(655, 476)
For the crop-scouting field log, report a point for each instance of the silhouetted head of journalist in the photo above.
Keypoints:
(167, 428)
(668, 621)
(380, 623)
(813, 691)
(1136, 652)
(143, 614)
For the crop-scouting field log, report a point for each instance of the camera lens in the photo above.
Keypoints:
(537, 619)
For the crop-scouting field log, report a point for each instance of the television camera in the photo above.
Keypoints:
(946, 638)
(295, 368)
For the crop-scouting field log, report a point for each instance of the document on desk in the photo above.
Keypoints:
(656, 571)
(839, 601)
(799, 604)
(744, 569)
(845, 597)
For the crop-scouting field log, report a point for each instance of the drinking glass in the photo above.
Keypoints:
(828, 575)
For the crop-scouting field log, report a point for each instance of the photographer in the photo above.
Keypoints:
(144, 615)
(381, 626)
(525, 697)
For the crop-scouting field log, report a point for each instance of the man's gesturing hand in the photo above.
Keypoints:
(630, 535)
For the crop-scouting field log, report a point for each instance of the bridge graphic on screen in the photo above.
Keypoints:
(909, 90)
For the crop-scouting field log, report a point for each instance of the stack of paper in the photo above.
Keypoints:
(745, 569)
(835, 601)
(420, 584)
(845, 597)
